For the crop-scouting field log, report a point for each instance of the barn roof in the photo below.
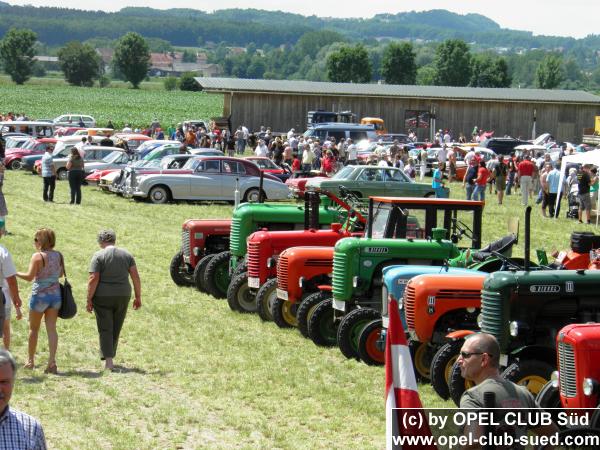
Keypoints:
(392, 90)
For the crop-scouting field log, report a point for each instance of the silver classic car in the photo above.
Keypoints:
(210, 178)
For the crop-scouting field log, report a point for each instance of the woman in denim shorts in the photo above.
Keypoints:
(45, 268)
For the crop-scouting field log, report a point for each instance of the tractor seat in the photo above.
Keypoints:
(501, 245)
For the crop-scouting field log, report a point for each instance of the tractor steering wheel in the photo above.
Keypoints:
(507, 262)
(463, 229)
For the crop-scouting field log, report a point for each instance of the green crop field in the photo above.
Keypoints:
(194, 374)
(48, 98)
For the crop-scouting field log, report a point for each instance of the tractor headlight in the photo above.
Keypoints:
(196, 251)
(479, 320)
(590, 386)
(355, 281)
(555, 379)
(270, 263)
(300, 281)
(514, 329)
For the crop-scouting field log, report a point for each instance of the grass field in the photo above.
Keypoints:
(49, 98)
(195, 374)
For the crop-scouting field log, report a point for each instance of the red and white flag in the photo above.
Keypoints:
(401, 391)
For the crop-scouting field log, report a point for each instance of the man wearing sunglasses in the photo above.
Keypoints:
(479, 361)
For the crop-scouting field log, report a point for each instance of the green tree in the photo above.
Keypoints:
(550, 72)
(17, 52)
(132, 58)
(487, 71)
(426, 75)
(188, 83)
(310, 43)
(170, 83)
(453, 63)
(349, 65)
(398, 65)
(188, 56)
(80, 63)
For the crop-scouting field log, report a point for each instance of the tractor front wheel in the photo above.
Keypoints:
(216, 275)
(306, 308)
(457, 385)
(350, 328)
(549, 400)
(179, 271)
(199, 272)
(441, 367)
(284, 313)
(531, 373)
(239, 296)
(265, 297)
(419, 352)
(368, 350)
(321, 328)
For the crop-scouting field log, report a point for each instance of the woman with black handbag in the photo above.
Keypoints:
(45, 268)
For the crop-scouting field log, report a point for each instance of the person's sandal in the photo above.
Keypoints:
(51, 369)
(29, 366)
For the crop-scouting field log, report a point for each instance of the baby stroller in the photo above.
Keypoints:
(573, 210)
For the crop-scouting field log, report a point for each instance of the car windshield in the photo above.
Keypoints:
(191, 164)
(112, 157)
(28, 145)
(264, 163)
(14, 142)
(380, 218)
(344, 173)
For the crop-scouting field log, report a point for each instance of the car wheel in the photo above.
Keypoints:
(62, 174)
(15, 164)
(159, 195)
(252, 195)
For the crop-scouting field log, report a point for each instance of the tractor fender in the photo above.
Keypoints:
(537, 352)
(459, 334)
(325, 287)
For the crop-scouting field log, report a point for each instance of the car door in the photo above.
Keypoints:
(205, 184)
(397, 183)
(371, 181)
(231, 171)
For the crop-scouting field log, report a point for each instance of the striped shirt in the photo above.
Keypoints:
(20, 431)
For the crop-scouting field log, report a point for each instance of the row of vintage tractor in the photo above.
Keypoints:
(330, 266)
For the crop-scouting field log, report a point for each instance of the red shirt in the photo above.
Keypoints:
(482, 176)
(525, 168)
(296, 164)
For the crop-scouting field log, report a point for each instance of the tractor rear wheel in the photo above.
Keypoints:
(216, 275)
(350, 328)
(441, 367)
(284, 313)
(179, 271)
(457, 385)
(306, 309)
(368, 350)
(321, 328)
(199, 272)
(420, 354)
(265, 297)
(239, 296)
(531, 373)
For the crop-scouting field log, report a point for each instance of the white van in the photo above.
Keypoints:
(73, 120)
(32, 128)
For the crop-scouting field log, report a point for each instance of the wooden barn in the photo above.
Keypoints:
(282, 104)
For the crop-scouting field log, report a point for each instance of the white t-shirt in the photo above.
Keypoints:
(7, 267)
(352, 151)
(468, 157)
(261, 150)
(441, 156)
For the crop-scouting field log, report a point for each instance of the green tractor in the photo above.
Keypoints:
(400, 231)
(222, 267)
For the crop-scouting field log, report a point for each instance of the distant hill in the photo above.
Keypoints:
(239, 27)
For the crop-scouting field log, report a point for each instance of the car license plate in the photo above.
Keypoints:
(253, 283)
(283, 295)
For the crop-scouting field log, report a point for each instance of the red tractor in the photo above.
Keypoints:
(199, 238)
(256, 289)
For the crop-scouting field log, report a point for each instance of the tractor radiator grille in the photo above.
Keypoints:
(450, 294)
(341, 279)
(566, 366)
(185, 242)
(492, 318)
(409, 306)
(234, 236)
(253, 258)
(318, 263)
(282, 273)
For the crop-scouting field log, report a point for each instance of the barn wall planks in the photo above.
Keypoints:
(284, 111)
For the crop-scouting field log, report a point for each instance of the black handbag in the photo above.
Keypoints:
(68, 307)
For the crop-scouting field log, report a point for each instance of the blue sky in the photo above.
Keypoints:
(576, 18)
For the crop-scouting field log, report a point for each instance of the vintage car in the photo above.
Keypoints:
(116, 160)
(150, 145)
(91, 153)
(14, 156)
(297, 181)
(68, 120)
(66, 131)
(212, 178)
(268, 166)
(365, 181)
(134, 140)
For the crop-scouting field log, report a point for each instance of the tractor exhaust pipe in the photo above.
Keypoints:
(527, 237)
(260, 187)
(370, 221)
(307, 195)
(314, 211)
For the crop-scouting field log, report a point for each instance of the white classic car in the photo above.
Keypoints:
(211, 178)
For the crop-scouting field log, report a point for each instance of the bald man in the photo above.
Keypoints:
(479, 361)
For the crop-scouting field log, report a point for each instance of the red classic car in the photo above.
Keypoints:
(14, 156)
(297, 182)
